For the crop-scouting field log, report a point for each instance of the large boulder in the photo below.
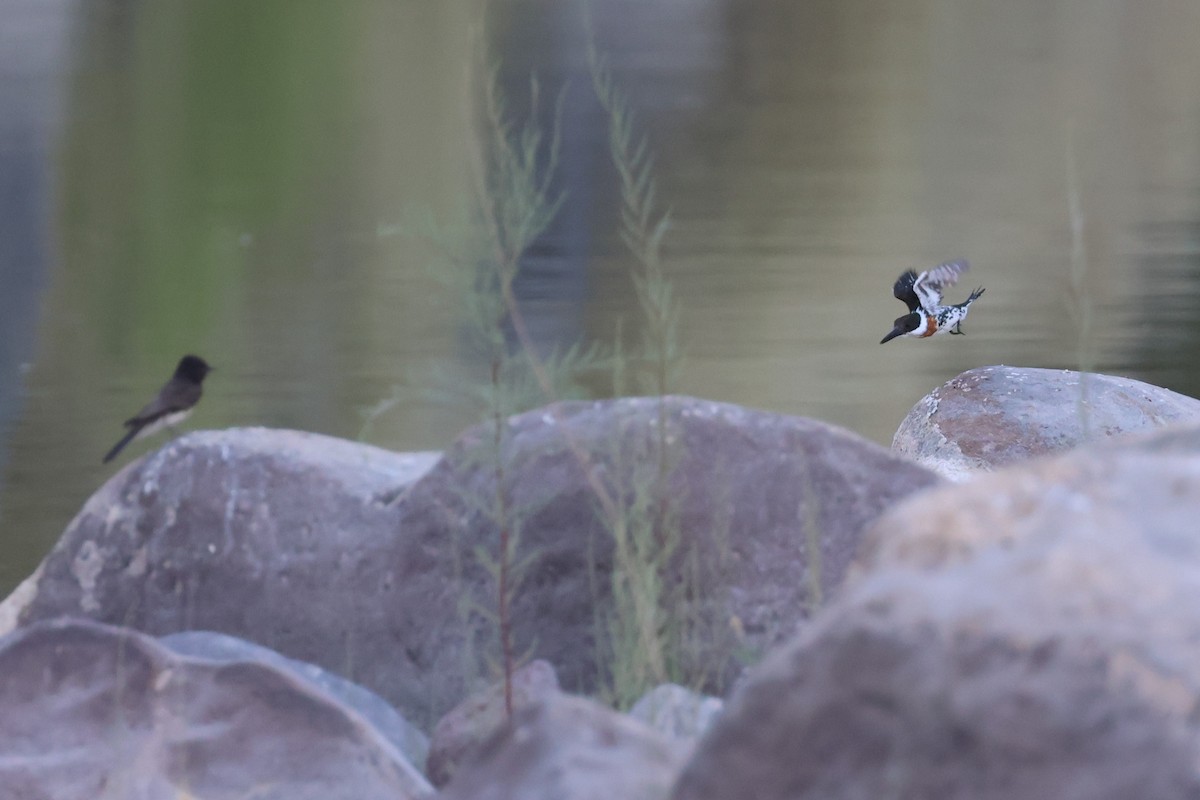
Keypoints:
(327, 552)
(1033, 633)
(569, 748)
(992, 417)
(760, 515)
(280, 537)
(221, 648)
(93, 711)
(1141, 485)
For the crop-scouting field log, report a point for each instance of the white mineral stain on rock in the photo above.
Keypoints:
(86, 568)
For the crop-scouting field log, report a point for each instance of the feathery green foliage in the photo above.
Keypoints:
(654, 627)
(643, 226)
(645, 536)
(514, 203)
(517, 206)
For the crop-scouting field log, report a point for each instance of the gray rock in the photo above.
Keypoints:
(676, 711)
(1032, 633)
(459, 734)
(324, 551)
(1141, 485)
(226, 649)
(12, 606)
(279, 537)
(995, 416)
(752, 495)
(568, 748)
(93, 711)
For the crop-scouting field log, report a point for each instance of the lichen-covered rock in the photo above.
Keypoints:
(90, 711)
(569, 748)
(991, 417)
(1032, 633)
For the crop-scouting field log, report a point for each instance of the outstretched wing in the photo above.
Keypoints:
(932, 282)
(904, 290)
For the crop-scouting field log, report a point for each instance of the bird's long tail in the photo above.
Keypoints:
(972, 298)
(126, 439)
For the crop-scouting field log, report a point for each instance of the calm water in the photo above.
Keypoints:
(227, 177)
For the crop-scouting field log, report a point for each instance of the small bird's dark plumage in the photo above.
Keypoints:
(903, 290)
(902, 325)
(174, 401)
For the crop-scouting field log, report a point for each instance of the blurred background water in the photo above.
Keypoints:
(221, 177)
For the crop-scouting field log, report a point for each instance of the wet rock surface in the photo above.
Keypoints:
(991, 417)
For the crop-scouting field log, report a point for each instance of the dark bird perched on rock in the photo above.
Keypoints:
(173, 403)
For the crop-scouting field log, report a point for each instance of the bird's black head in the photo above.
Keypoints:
(903, 325)
(193, 368)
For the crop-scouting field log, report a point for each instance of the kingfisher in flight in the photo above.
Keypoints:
(923, 295)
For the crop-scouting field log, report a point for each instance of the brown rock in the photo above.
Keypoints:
(568, 748)
(94, 711)
(1030, 634)
(995, 416)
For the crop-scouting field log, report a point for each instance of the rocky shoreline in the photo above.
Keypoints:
(1002, 606)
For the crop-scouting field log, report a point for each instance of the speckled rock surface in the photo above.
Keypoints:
(94, 711)
(994, 416)
(1032, 633)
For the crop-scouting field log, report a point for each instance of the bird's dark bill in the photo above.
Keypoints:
(902, 325)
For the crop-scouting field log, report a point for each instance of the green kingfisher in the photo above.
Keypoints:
(923, 295)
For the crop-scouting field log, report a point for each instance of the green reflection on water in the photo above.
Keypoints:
(212, 126)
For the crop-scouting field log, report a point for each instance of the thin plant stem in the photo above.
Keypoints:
(1081, 309)
(503, 615)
